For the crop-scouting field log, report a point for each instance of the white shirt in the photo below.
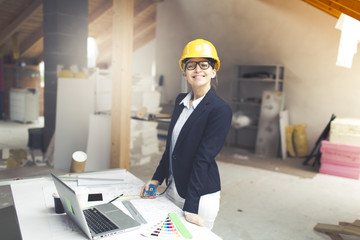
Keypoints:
(185, 114)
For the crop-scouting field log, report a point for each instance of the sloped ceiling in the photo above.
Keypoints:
(336, 7)
(22, 19)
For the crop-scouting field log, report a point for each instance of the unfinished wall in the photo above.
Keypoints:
(291, 32)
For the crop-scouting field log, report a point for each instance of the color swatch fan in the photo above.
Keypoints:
(170, 228)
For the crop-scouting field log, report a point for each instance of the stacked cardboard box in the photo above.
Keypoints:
(340, 155)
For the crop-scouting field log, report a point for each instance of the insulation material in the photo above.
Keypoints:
(289, 130)
(342, 154)
(345, 130)
(300, 140)
(340, 159)
(99, 142)
(74, 105)
(339, 170)
(267, 142)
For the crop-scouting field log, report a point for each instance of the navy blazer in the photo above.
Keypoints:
(200, 140)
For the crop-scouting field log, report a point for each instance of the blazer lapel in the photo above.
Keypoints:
(199, 110)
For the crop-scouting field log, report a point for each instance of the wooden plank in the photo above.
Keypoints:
(146, 36)
(283, 123)
(28, 43)
(336, 7)
(350, 5)
(142, 5)
(334, 236)
(327, 228)
(122, 35)
(345, 6)
(343, 228)
(324, 7)
(351, 230)
(142, 22)
(357, 222)
(6, 33)
(100, 11)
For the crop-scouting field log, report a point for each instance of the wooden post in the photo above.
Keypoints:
(122, 48)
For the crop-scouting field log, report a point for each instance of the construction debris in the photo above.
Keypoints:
(334, 231)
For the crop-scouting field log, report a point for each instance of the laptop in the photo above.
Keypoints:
(97, 221)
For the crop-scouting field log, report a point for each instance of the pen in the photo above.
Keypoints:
(116, 198)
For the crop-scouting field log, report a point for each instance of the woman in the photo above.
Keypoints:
(197, 132)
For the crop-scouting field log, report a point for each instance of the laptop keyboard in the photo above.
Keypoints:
(97, 222)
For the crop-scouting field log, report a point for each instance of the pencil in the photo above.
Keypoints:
(116, 198)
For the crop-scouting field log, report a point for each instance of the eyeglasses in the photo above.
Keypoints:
(192, 65)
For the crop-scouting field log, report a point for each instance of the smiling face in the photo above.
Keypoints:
(198, 78)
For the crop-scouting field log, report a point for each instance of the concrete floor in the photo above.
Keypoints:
(261, 198)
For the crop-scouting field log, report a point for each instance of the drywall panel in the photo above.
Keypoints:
(99, 142)
(75, 103)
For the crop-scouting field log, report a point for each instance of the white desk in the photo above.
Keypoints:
(37, 219)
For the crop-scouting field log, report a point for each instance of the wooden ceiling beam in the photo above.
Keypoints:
(28, 43)
(100, 11)
(324, 7)
(39, 58)
(38, 34)
(144, 30)
(145, 21)
(145, 36)
(141, 38)
(141, 5)
(336, 7)
(350, 5)
(10, 29)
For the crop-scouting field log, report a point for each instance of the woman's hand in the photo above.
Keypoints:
(195, 219)
(146, 188)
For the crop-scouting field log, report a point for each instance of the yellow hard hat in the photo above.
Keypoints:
(199, 48)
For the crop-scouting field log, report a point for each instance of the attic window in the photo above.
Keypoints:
(350, 37)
